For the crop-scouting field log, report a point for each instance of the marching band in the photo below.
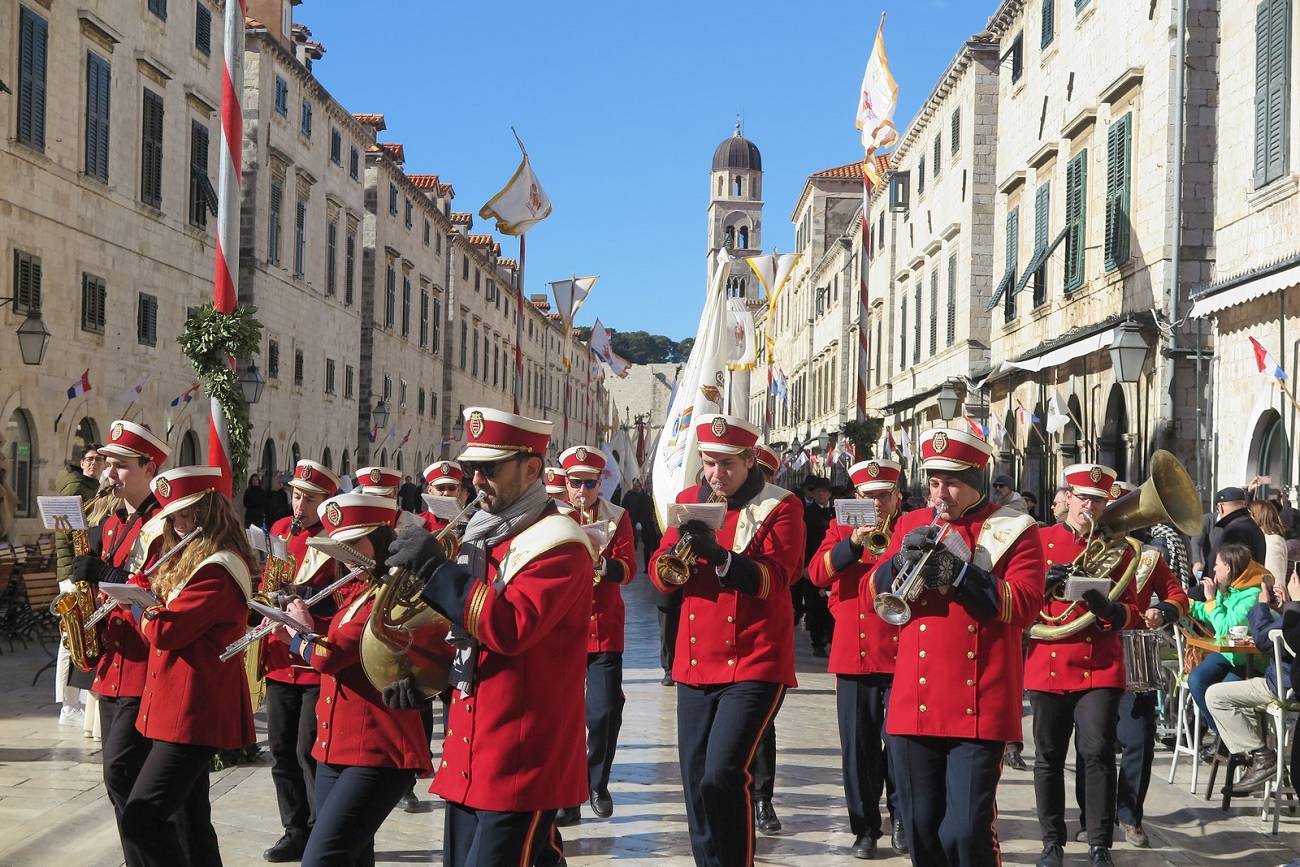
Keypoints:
(511, 613)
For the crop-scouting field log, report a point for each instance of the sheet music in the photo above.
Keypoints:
(445, 508)
(855, 513)
(272, 613)
(61, 513)
(1076, 586)
(712, 515)
(279, 548)
(130, 594)
(256, 538)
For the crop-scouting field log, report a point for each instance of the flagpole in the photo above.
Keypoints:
(519, 329)
(1282, 384)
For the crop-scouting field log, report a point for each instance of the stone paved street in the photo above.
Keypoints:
(53, 809)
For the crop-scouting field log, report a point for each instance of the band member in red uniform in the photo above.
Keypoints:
(763, 767)
(131, 542)
(1159, 594)
(735, 642)
(958, 682)
(193, 704)
(519, 600)
(617, 566)
(443, 479)
(863, 651)
(292, 686)
(556, 484)
(367, 754)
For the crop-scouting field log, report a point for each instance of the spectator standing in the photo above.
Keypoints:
(1230, 522)
(1264, 513)
(817, 516)
(408, 496)
(1004, 494)
(255, 502)
(277, 501)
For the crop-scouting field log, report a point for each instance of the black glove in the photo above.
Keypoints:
(87, 568)
(1101, 605)
(416, 550)
(703, 542)
(941, 569)
(916, 543)
(1057, 573)
(404, 694)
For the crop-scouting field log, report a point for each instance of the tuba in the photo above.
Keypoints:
(404, 636)
(1168, 496)
(74, 608)
(674, 568)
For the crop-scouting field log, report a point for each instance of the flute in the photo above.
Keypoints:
(103, 611)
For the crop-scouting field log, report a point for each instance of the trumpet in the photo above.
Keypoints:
(238, 646)
(893, 606)
(103, 611)
(879, 537)
(674, 568)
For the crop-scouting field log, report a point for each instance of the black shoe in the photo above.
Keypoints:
(1014, 760)
(898, 839)
(668, 679)
(1099, 855)
(1215, 750)
(819, 651)
(288, 848)
(1053, 856)
(765, 817)
(864, 849)
(409, 803)
(566, 817)
(601, 803)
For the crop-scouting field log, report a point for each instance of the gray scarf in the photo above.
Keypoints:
(485, 531)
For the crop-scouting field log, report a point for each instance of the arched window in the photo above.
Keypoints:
(87, 435)
(399, 462)
(345, 464)
(419, 460)
(1268, 450)
(383, 458)
(268, 461)
(1113, 446)
(296, 454)
(738, 186)
(22, 457)
(189, 451)
(729, 237)
(744, 238)
(327, 459)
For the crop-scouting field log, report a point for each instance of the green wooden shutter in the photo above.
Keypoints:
(1076, 201)
(938, 154)
(1042, 210)
(934, 310)
(1049, 22)
(1013, 245)
(98, 88)
(1272, 87)
(33, 45)
(952, 299)
(1119, 145)
(916, 331)
(151, 152)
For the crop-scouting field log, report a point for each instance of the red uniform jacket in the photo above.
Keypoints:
(192, 696)
(353, 725)
(1093, 656)
(743, 630)
(432, 522)
(607, 613)
(862, 643)
(518, 742)
(312, 570)
(133, 544)
(960, 673)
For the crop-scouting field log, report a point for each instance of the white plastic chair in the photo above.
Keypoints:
(1278, 709)
(1187, 725)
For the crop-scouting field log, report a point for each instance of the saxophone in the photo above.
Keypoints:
(73, 608)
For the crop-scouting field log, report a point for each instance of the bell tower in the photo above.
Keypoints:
(736, 211)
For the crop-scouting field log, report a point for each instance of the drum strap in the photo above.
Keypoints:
(1145, 566)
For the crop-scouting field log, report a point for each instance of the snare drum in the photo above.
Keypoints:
(1142, 659)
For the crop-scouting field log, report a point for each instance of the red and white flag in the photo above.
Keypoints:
(1267, 363)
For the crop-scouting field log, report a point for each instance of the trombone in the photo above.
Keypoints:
(893, 606)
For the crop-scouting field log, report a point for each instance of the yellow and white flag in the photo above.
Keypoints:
(876, 104)
(772, 271)
(742, 348)
(569, 295)
(521, 204)
(604, 350)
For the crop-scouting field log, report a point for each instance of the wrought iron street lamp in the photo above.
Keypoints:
(251, 384)
(1128, 352)
(379, 415)
(948, 402)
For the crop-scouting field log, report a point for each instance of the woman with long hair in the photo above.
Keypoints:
(194, 704)
(1266, 515)
(367, 754)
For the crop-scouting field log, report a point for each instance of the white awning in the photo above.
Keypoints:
(1249, 290)
(1060, 355)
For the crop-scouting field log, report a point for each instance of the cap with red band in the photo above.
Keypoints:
(870, 476)
(582, 459)
(351, 516)
(1093, 480)
(494, 435)
(314, 478)
(766, 457)
(950, 450)
(441, 473)
(1120, 489)
(379, 480)
(554, 479)
(126, 439)
(728, 434)
(181, 488)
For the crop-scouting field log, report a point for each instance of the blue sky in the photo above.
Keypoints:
(621, 106)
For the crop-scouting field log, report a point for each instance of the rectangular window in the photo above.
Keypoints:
(392, 199)
(300, 239)
(297, 367)
(159, 8)
(938, 154)
(273, 359)
(388, 387)
(354, 164)
(151, 150)
(920, 176)
(1076, 219)
(422, 400)
(1119, 178)
(474, 361)
(406, 306)
(437, 243)
(916, 329)
(329, 376)
(146, 320)
(203, 197)
(349, 382)
(464, 267)
(410, 214)
(1016, 55)
(464, 342)
(390, 298)
(94, 303)
(349, 267)
(1042, 211)
(952, 300)
(934, 311)
(336, 147)
(424, 318)
(331, 253)
(954, 137)
(1013, 262)
(478, 280)
(281, 97)
(27, 282)
(401, 392)
(203, 29)
(99, 81)
(436, 346)
(902, 335)
(427, 231)
(273, 223)
(1049, 22)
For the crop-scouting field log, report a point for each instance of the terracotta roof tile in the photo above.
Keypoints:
(508, 263)
(374, 120)
(480, 240)
(852, 170)
(425, 182)
(395, 152)
(253, 24)
(447, 191)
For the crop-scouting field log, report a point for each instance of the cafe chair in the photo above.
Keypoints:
(1187, 720)
(1278, 711)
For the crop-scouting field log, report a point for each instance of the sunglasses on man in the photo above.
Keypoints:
(589, 484)
(488, 469)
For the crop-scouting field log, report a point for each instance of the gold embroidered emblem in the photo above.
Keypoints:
(476, 424)
(581, 454)
(1095, 474)
(304, 473)
(164, 489)
(376, 476)
(940, 442)
(116, 433)
(334, 514)
(719, 427)
(873, 470)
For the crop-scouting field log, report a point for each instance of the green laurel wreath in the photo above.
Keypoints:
(210, 339)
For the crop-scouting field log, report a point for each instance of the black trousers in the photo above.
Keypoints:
(669, 613)
(947, 799)
(718, 730)
(811, 604)
(605, 702)
(351, 803)
(763, 769)
(172, 784)
(1136, 732)
(860, 703)
(1093, 713)
(290, 734)
(483, 838)
(124, 749)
